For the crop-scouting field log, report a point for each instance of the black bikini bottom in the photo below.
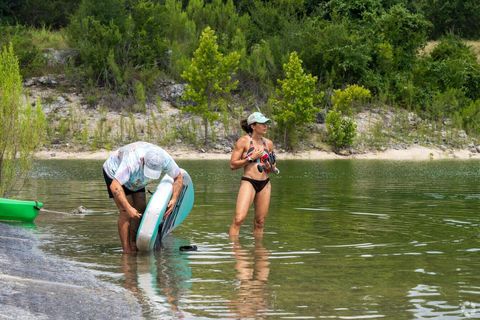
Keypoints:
(258, 185)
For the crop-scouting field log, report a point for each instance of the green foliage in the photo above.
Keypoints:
(118, 43)
(23, 126)
(272, 18)
(460, 16)
(45, 38)
(336, 52)
(405, 31)
(209, 79)
(448, 80)
(38, 13)
(294, 104)
(347, 99)
(454, 65)
(132, 133)
(101, 135)
(181, 37)
(222, 16)
(340, 129)
(140, 97)
(29, 56)
(259, 68)
(470, 118)
(353, 9)
(446, 103)
(126, 45)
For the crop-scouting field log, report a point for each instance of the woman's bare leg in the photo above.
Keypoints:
(262, 204)
(245, 197)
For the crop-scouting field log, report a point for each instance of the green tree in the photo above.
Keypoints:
(459, 16)
(405, 31)
(294, 104)
(209, 79)
(121, 42)
(23, 127)
(37, 13)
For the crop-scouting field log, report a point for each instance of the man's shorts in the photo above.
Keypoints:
(127, 191)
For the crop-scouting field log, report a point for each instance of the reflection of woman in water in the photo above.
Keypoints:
(252, 275)
(255, 155)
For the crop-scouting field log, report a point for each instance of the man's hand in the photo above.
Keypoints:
(170, 207)
(133, 213)
(121, 200)
(177, 187)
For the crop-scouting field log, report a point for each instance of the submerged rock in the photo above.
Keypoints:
(80, 210)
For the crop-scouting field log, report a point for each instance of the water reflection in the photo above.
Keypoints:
(158, 280)
(253, 269)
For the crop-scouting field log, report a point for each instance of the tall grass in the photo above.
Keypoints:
(44, 38)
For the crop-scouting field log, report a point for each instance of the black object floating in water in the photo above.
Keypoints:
(188, 248)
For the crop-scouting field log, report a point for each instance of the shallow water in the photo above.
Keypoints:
(344, 239)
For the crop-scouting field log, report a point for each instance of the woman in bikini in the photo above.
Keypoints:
(254, 154)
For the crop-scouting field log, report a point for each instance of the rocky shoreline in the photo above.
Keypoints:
(84, 129)
(414, 153)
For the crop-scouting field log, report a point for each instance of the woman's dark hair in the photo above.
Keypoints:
(245, 126)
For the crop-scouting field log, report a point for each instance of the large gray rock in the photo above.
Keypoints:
(37, 286)
(59, 56)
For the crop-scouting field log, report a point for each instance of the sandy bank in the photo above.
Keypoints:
(414, 153)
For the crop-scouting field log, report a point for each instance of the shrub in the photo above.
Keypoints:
(22, 128)
(340, 129)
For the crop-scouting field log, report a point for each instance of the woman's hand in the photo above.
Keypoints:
(257, 154)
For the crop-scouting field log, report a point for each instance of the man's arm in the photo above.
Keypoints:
(177, 188)
(121, 199)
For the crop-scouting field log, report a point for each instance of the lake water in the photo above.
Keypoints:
(344, 239)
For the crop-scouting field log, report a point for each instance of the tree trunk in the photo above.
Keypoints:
(205, 124)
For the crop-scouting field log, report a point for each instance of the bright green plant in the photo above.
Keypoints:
(84, 135)
(294, 104)
(405, 31)
(345, 100)
(341, 128)
(31, 60)
(209, 80)
(132, 128)
(470, 118)
(140, 97)
(223, 17)
(463, 16)
(22, 128)
(101, 136)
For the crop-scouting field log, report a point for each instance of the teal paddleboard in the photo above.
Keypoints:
(153, 227)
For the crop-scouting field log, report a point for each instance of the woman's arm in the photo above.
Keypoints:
(236, 161)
